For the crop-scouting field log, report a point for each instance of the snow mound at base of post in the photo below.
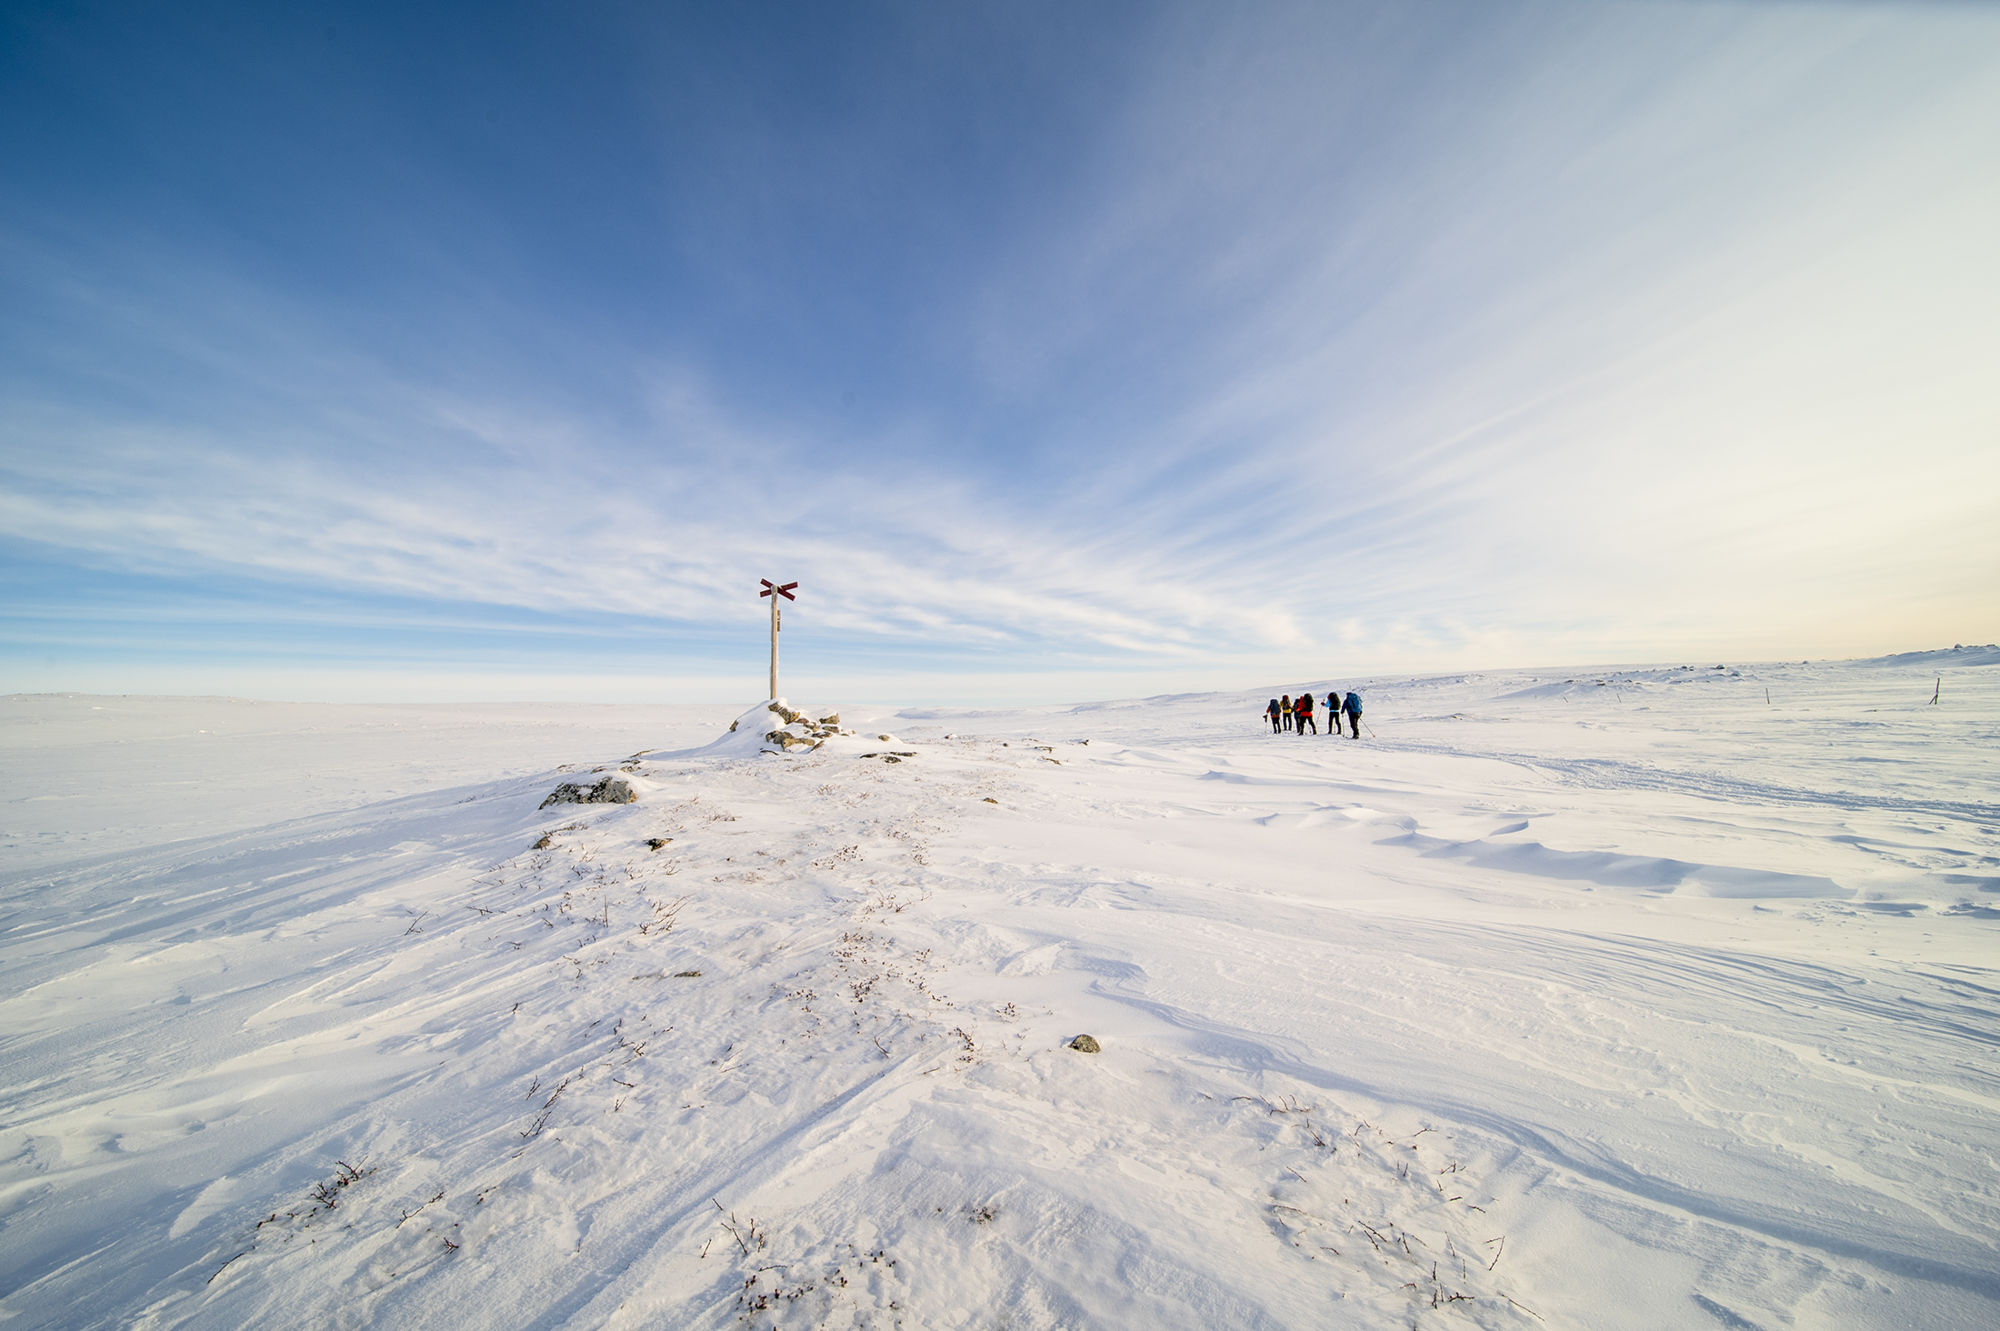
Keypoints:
(774, 726)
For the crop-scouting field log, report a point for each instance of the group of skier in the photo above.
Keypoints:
(1297, 717)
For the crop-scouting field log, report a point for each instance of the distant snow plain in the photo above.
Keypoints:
(1661, 997)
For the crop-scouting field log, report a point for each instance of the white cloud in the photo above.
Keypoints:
(1596, 332)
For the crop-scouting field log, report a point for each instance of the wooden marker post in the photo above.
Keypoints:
(774, 591)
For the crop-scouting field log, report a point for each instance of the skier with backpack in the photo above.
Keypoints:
(1286, 703)
(1354, 712)
(1303, 713)
(1333, 712)
(1272, 712)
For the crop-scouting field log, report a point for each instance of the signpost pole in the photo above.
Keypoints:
(774, 591)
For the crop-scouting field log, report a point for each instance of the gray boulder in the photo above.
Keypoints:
(608, 790)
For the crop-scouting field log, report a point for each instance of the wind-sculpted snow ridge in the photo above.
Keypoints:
(1406, 1031)
(726, 1079)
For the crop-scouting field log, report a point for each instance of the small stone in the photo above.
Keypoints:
(1086, 1044)
(548, 839)
(991, 800)
(886, 739)
(658, 842)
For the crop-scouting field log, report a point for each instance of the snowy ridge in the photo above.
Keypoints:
(1944, 657)
(1394, 1031)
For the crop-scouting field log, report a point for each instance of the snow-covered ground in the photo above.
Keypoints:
(1649, 998)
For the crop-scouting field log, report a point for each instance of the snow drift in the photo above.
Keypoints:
(1632, 1007)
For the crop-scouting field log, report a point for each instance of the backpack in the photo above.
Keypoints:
(1354, 703)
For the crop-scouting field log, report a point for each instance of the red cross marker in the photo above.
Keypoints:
(784, 591)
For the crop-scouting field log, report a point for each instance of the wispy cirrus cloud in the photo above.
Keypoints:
(1316, 332)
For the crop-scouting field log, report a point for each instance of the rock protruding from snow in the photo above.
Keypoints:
(799, 731)
(1086, 1044)
(774, 726)
(785, 730)
(605, 790)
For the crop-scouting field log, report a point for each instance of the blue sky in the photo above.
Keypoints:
(1058, 350)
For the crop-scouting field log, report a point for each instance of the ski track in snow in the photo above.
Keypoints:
(1644, 1017)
